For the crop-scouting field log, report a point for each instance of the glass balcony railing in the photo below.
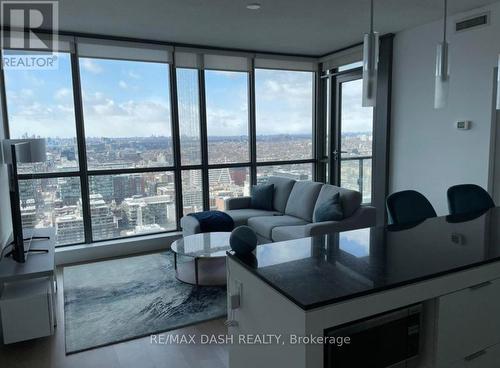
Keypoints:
(356, 174)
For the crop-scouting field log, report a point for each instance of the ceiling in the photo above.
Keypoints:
(309, 27)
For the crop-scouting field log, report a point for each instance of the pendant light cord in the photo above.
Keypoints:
(445, 19)
(371, 16)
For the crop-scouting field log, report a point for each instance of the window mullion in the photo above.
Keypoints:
(252, 124)
(204, 139)
(317, 133)
(174, 111)
(82, 149)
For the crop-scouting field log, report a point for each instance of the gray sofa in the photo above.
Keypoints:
(292, 217)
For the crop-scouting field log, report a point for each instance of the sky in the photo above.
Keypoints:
(132, 99)
(227, 103)
(283, 102)
(355, 118)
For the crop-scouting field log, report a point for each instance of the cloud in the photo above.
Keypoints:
(225, 122)
(287, 86)
(123, 84)
(62, 93)
(284, 102)
(90, 66)
(105, 117)
(134, 75)
(26, 93)
(43, 120)
(355, 118)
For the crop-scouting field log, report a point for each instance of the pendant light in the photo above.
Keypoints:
(442, 67)
(370, 64)
(498, 84)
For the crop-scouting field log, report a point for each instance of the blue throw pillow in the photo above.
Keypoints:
(262, 197)
(330, 210)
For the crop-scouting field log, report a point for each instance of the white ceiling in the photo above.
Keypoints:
(311, 27)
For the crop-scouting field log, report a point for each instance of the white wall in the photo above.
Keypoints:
(5, 219)
(428, 153)
(495, 175)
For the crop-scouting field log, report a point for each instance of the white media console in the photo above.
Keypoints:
(28, 292)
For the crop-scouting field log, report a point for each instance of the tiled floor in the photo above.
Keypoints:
(140, 353)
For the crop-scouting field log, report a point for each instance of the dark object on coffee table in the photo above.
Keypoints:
(243, 240)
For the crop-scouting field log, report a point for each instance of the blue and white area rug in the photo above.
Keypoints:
(122, 299)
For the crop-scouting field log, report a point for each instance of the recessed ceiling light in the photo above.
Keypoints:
(253, 6)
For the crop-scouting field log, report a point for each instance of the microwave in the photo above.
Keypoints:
(387, 340)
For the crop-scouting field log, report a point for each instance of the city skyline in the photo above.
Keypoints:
(119, 200)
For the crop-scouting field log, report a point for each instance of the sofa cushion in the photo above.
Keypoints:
(302, 200)
(349, 199)
(264, 226)
(262, 197)
(329, 210)
(240, 217)
(284, 233)
(282, 189)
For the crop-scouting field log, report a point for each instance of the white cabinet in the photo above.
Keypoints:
(26, 310)
(468, 323)
(487, 358)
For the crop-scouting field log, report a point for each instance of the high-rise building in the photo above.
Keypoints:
(69, 229)
(27, 190)
(220, 177)
(103, 185)
(103, 225)
(28, 214)
(68, 153)
(193, 200)
(126, 186)
(192, 178)
(142, 211)
(69, 191)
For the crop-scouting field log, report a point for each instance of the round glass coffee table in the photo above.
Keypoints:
(206, 258)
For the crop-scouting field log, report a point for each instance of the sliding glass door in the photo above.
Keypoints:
(354, 151)
(351, 135)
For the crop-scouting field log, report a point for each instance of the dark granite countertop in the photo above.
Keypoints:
(318, 271)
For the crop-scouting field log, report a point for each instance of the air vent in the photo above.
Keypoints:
(476, 21)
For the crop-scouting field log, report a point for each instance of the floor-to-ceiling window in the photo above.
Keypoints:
(129, 150)
(40, 103)
(190, 139)
(227, 135)
(284, 105)
(134, 143)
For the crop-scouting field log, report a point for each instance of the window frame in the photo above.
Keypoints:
(87, 173)
(84, 173)
(239, 163)
(314, 154)
(49, 175)
(311, 160)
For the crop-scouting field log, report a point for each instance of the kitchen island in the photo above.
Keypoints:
(302, 289)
